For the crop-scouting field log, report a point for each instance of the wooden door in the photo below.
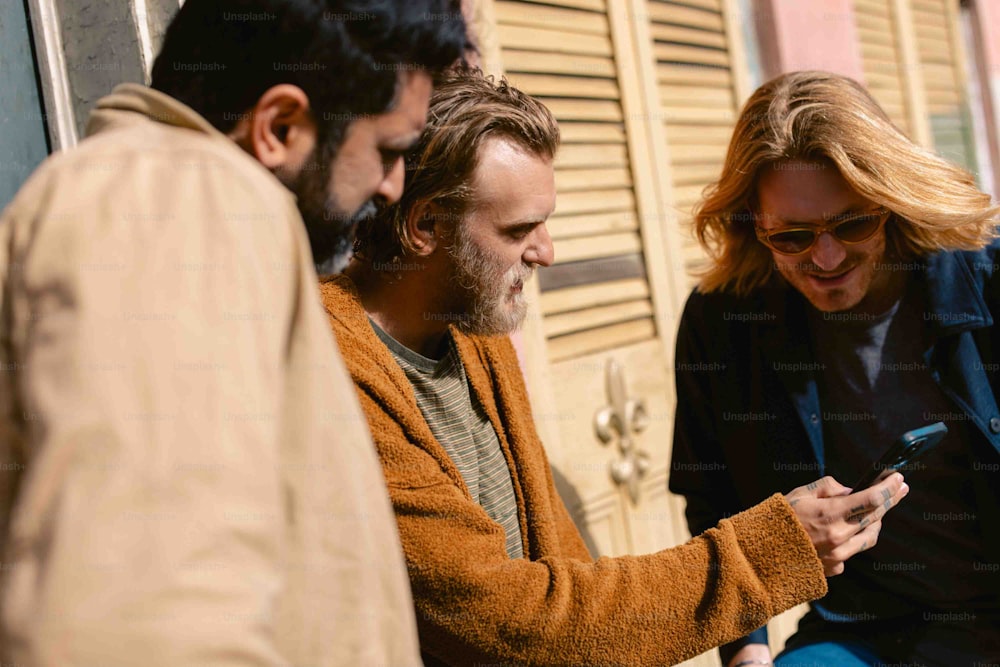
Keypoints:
(643, 131)
(609, 301)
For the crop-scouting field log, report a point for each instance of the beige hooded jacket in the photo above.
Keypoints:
(185, 475)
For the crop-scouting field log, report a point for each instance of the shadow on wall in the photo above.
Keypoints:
(572, 499)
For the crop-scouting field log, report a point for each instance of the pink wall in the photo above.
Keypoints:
(818, 34)
(986, 28)
(988, 12)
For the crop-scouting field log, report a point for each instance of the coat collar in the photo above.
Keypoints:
(131, 102)
(955, 300)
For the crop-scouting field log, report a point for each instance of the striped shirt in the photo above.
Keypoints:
(461, 426)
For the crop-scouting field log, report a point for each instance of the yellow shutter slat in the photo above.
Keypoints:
(595, 110)
(672, 33)
(697, 174)
(677, 96)
(516, 60)
(539, 16)
(931, 31)
(888, 80)
(936, 73)
(592, 224)
(711, 5)
(599, 316)
(698, 134)
(594, 200)
(879, 52)
(585, 179)
(688, 16)
(592, 247)
(592, 5)
(565, 86)
(593, 133)
(871, 36)
(693, 75)
(576, 298)
(604, 338)
(691, 54)
(687, 195)
(684, 153)
(878, 24)
(699, 115)
(592, 155)
(558, 41)
(891, 96)
(876, 7)
(935, 50)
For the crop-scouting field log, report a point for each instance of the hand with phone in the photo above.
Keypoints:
(841, 523)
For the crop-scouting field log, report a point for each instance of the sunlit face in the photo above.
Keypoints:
(832, 275)
(338, 186)
(503, 238)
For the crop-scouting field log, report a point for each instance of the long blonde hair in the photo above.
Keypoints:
(819, 117)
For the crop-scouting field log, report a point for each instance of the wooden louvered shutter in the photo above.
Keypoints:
(697, 70)
(602, 323)
(882, 58)
(937, 37)
(597, 295)
(701, 73)
(646, 95)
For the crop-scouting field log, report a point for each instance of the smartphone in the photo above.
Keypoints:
(905, 450)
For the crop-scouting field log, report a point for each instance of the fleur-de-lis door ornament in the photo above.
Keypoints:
(622, 420)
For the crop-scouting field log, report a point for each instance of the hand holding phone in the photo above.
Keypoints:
(840, 523)
(904, 451)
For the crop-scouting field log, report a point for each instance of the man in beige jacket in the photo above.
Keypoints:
(185, 476)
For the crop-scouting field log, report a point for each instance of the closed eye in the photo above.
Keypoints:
(521, 231)
(390, 157)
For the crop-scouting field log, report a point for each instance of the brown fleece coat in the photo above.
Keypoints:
(556, 606)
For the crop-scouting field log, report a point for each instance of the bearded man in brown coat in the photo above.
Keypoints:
(499, 572)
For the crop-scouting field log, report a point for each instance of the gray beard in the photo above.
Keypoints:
(485, 289)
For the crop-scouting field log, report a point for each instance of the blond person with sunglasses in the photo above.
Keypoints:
(850, 297)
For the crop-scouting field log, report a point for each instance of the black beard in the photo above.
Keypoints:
(331, 235)
(330, 228)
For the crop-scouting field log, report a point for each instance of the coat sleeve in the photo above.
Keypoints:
(149, 335)
(475, 605)
(698, 468)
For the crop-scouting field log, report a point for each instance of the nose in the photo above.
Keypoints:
(539, 250)
(828, 253)
(391, 187)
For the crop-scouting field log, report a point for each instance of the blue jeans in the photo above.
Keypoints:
(828, 654)
(959, 640)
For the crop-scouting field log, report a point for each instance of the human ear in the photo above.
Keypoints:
(426, 227)
(279, 131)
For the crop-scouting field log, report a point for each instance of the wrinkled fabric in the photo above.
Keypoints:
(187, 478)
(555, 606)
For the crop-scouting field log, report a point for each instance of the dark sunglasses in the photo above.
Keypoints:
(850, 228)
